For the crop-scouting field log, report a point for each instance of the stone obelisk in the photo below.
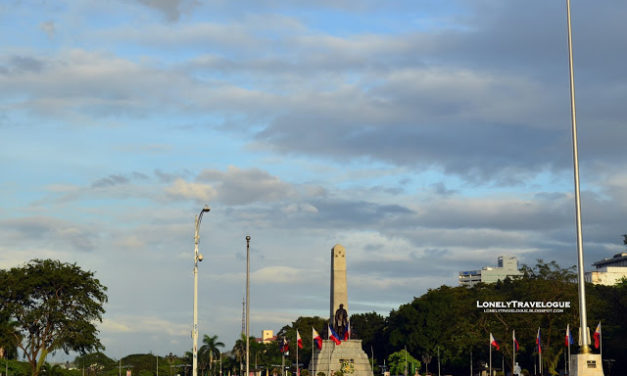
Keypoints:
(348, 356)
(339, 295)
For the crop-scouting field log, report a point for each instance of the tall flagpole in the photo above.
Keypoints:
(513, 350)
(297, 369)
(600, 340)
(490, 345)
(283, 361)
(470, 361)
(312, 363)
(570, 339)
(585, 349)
(247, 305)
(540, 359)
(503, 362)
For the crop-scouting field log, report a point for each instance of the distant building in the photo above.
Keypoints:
(507, 267)
(609, 271)
(267, 336)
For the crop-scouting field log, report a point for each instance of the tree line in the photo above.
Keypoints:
(443, 326)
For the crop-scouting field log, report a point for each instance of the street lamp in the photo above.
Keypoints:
(197, 257)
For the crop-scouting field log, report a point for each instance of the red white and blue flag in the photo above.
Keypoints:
(299, 341)
(569, 336)
(347, 333)
(494, 343)
(516, 346)
(285, 348)
(597, 336)
(316, 338)
(333, 336)
(539, 342)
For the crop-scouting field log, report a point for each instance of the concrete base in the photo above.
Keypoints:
(348, 355)
(586, 365)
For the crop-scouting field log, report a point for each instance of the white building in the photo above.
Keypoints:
(507, 267)
(609, 271)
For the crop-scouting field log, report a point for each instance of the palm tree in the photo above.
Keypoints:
(210, 348)
(239, 350)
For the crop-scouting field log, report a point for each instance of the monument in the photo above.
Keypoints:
(347, 357)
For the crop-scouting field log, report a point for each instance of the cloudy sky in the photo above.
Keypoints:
(427, 137)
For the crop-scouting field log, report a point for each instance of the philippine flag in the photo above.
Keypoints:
(539, 342)
(299, 341)
(597, 336)
(285, 348)
(494, 343)
(516, 346)
(333, 336)
(316, 337)
(569, 336)
(347, 333)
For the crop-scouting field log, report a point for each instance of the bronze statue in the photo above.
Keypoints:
(341, 321)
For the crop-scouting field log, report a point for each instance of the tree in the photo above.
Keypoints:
(210, 349)
(303, 324)
(402, 363)
(369, 328)
(53, 306)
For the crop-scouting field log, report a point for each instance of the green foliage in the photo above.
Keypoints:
(304, 325)
(94, 358)
(15, 367)
(208, 353)
(369, 328)
(447, 318)
(50, 306)
(402, 363)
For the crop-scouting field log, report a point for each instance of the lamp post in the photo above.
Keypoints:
(197, 258)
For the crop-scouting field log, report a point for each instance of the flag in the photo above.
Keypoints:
(333, 336)
(284, 347)
(539, 342)
(516, 346)
(347, 333)
(570, 336)
(494, 343)
(568, 340)
(597, 336)
(299, 341)
(316, 338)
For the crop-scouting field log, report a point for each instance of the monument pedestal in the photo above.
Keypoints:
(586, 365)
(348, 357)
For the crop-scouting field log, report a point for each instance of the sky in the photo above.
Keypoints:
(426, 137)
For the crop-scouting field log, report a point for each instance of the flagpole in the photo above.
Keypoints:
(540, 362)
(513, 350)
(565, 370)
(297, 366)
(570, 339)
(371, 361)
(471, 361)
(329, 373)
(569, 354)
(283, 363)
(601, 340)
(490, 354)
(585, 349)
(313, 364)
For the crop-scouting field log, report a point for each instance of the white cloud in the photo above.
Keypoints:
(180, 189)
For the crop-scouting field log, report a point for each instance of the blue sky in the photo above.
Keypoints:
(427, 137)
